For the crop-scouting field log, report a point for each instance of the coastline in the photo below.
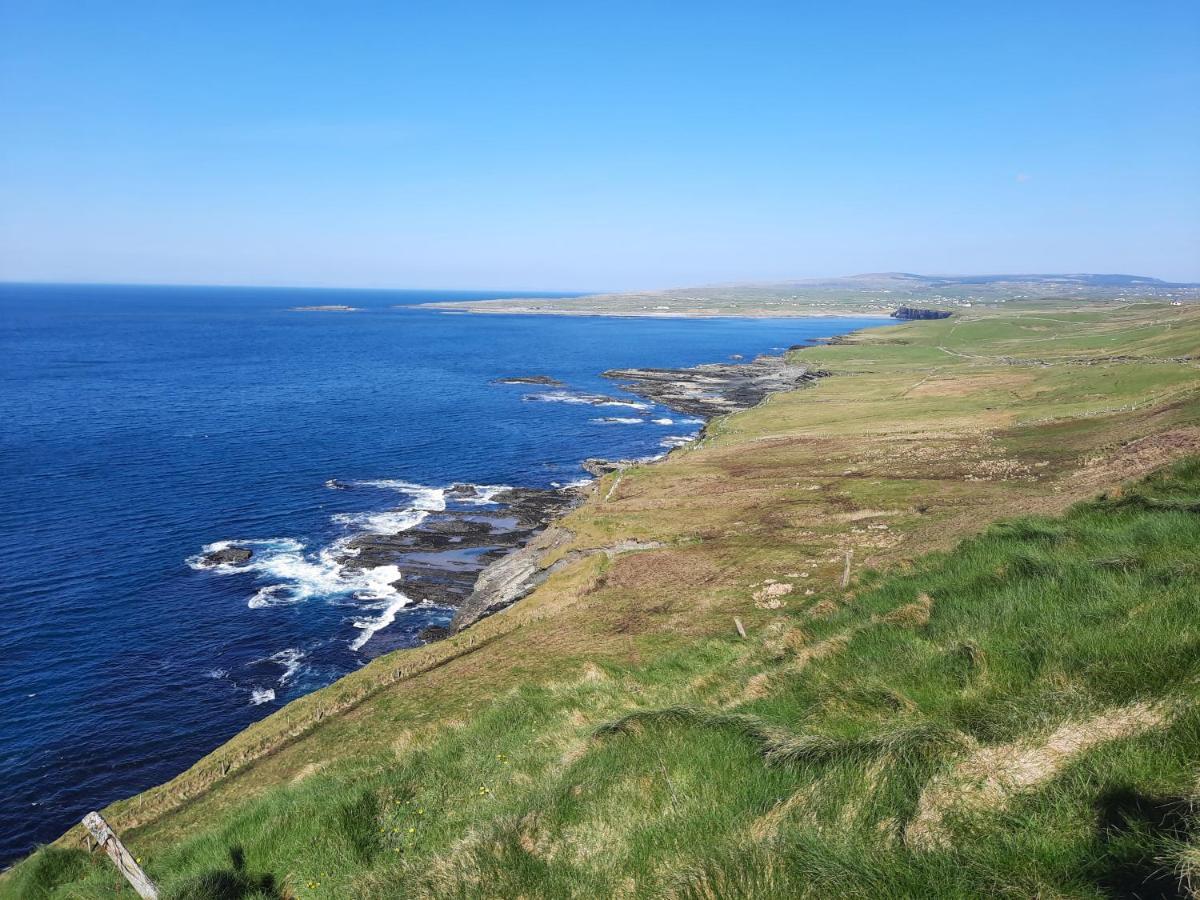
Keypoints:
(781, 492)
(298, 612)
(512, 576)
(478, 307)
(706, 390)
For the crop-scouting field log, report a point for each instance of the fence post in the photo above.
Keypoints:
(122, 858)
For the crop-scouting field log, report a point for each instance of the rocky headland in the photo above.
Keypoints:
(441, 559)
(714, 389)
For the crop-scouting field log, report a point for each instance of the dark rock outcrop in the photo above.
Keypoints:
(529, 379)
(715, 388)
(601, 467)
(434, 633)
(536, 507)
(228, 556)
(912, 312)
(510, 578)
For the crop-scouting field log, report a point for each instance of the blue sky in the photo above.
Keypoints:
(595, 146)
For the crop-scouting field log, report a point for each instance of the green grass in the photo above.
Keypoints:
(673, 778)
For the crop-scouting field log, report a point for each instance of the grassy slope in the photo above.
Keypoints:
(795, 761)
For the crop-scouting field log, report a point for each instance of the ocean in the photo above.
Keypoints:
(141, 427)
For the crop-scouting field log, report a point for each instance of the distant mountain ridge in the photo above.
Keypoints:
(910, 278)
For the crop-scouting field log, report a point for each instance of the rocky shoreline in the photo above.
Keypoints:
(704, 391)
(483, 551)
(443, 560)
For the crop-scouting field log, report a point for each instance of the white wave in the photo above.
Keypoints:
(632, 404)
(429, 499)
(484, 494)
(387, 615)
(589, 399)
(663, 421)
(218, 673)
(290, 660)
(560, 397)
(264, 545)
(261, 695)
(271, 595)
(676, 440)
(582, 482)
(292, 575)
(616, 420)
(390, 521)
(425, 500)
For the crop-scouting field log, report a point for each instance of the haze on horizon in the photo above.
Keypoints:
(552, 146)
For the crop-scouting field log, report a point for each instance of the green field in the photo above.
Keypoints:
(1004, 700)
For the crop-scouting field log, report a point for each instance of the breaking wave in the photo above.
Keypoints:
(290, 572)
(387, 615)
(589, 399)
(676, 440)
(290, 659)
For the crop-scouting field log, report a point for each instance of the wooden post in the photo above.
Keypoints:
(741, 628)
(122, 858)
(846, 571)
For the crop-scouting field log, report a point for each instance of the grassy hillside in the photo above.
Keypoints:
(1007, 710)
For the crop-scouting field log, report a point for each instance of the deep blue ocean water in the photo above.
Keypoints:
(141, 424)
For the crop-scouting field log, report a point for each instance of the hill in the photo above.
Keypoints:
(975, 709)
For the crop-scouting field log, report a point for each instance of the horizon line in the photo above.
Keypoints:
(518, 292)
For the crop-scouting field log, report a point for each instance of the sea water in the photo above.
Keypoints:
(141, 427)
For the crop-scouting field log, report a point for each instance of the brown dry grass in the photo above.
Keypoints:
(987, 778)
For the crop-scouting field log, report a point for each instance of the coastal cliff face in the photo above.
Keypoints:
(785, 689)
(506, 580)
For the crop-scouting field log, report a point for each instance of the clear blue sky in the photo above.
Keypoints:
(595, 146)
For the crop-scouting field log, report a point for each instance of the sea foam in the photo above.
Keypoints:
(589, 399)
(387, 615)
(676, 440)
